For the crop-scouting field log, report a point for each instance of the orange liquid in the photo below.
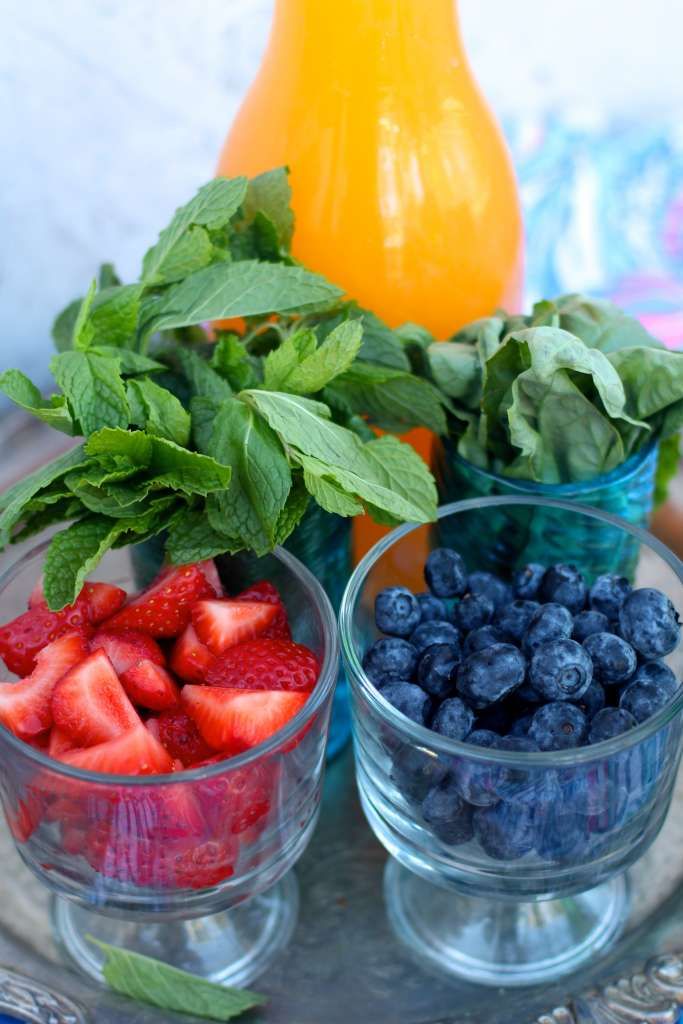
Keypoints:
(402, 187)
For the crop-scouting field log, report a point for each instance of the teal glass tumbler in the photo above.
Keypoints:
(626, 491)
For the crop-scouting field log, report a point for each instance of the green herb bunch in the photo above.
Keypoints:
(219, 441)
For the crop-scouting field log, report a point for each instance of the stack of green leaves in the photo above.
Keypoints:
(562, 395)
(219, 443)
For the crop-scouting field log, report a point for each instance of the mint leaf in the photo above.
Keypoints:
(392, 399)
(184, 246)
(231, 360)
(15, 499)
(37, 518)
(26, 395)
(129, 363)
(284, 359)
(191, 538)
(162, 413)
(270, 194)
(290, 369)
(83, 331)
(667, 466)
(204, 382)
(93, 388)
(107, 276)
(63, 326)
(380, 344)
(118, 500)
(73, 554)
(151, 981)
(330, 496)
(295, 508)
(203, 413)
(114, 316)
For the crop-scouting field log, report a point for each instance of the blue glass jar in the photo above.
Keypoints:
(626, 491)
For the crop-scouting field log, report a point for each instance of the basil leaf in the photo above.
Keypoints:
(83, 331)
(93, 388)
(652, 379)
(667, 466)
(288, 368)
(602, 325)
(457, 370)
(162, 413)
(392, 399)
(26, 395)
(16, 498)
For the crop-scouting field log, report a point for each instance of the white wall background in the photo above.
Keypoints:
(112, 111)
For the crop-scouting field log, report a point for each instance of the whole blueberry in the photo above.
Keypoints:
(410, 700)
(652, 686)
(436, 632)
(475, 780)
(589, 622)
(390, 658)
(481, 638)
(505, 831)
(614, 661)
(453, 719)
(397, 611)
(415, 770)
(608, 593)
(489, 675)
(517, 784)
(431, 608)
(445, 573)
(527, 580)
(515, 618)
(520, 726)
(473, 611)
(551, 622)
(558, 726)
(436, 669)
(527, 695)
(487, 585)
(447, 814)
(610, 722)
(560, 670)
(592, 700)
(561, 831)
(650, 623)
(564, 584)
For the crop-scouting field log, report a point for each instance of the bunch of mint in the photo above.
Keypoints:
(218, 439)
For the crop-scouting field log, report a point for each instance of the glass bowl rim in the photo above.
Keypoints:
(329, 671)
(432, 741)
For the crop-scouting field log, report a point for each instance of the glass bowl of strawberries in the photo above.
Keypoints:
(163, 743)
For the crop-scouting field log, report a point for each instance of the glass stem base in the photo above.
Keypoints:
(496, 943)
(229, 948)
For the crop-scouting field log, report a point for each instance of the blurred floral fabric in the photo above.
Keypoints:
(603, 205)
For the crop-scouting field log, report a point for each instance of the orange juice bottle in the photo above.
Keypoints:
(402, 187)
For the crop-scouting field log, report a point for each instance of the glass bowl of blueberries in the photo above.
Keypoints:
(517, 729)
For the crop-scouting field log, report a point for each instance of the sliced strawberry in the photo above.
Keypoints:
(37, 595)
(26, 816)
(265, 592)
(59, 743)
(158, 865)
(135, 752)
(90, 704)
(234, 720)
(210, 573)
(190, 658)
(180, 736)
(222, 624)
(266, 665)
(22, 639)
(126, 647)
(150, 686)
(26, 707)
(163, 609)
(236, 800)
(101, 599)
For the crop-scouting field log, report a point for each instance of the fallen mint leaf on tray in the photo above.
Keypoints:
(151, 981)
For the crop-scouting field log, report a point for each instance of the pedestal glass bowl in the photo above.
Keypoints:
(531, 882)
(192, 868)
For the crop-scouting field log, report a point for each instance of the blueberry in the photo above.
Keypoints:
(472, 612)
(481, 638)
(521, 785)
(515, 618)
(520, 726)
(431, 608)
(527, 581)
(505, 831)
(561, 670)
(652, 686)
(592, 700)
(436, 669)
(558, 726)
(488, 585)
(650, 623)
(397, 611)
(475, 779)
(561, 831)
(453, 719)
(390, 658)
(614, 661)
(527, 694)
(410, 700)
(489, 675)
(415, 770)
(564, 584)
(608, 593)
(589, 622)
(496, 717)
(551, 622)
(658, 673)
(436, 632)
(445, 573)
(447, 814)
(610, 722)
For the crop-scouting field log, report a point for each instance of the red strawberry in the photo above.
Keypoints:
(26, 707)
(234, 720)
(190, 658)
(266, 665)
(25, 818)
(126, 647)
(163, 609)
(150, 686)
(59, 742)
(90, 704)
(236, 800)
(210, 572)
(159, 865)
(134, 752)
(102, 599)
(265, 591)
(222, 624)
(180, 736)
(22, 639)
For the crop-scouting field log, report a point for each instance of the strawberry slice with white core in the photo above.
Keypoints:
(223, 624)
(135, 752)
(150, 686)
(235, 720)
(190, 658)
(126, 647)
(265, 592)
(210, 572)
(163, 609)
(90, 704)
